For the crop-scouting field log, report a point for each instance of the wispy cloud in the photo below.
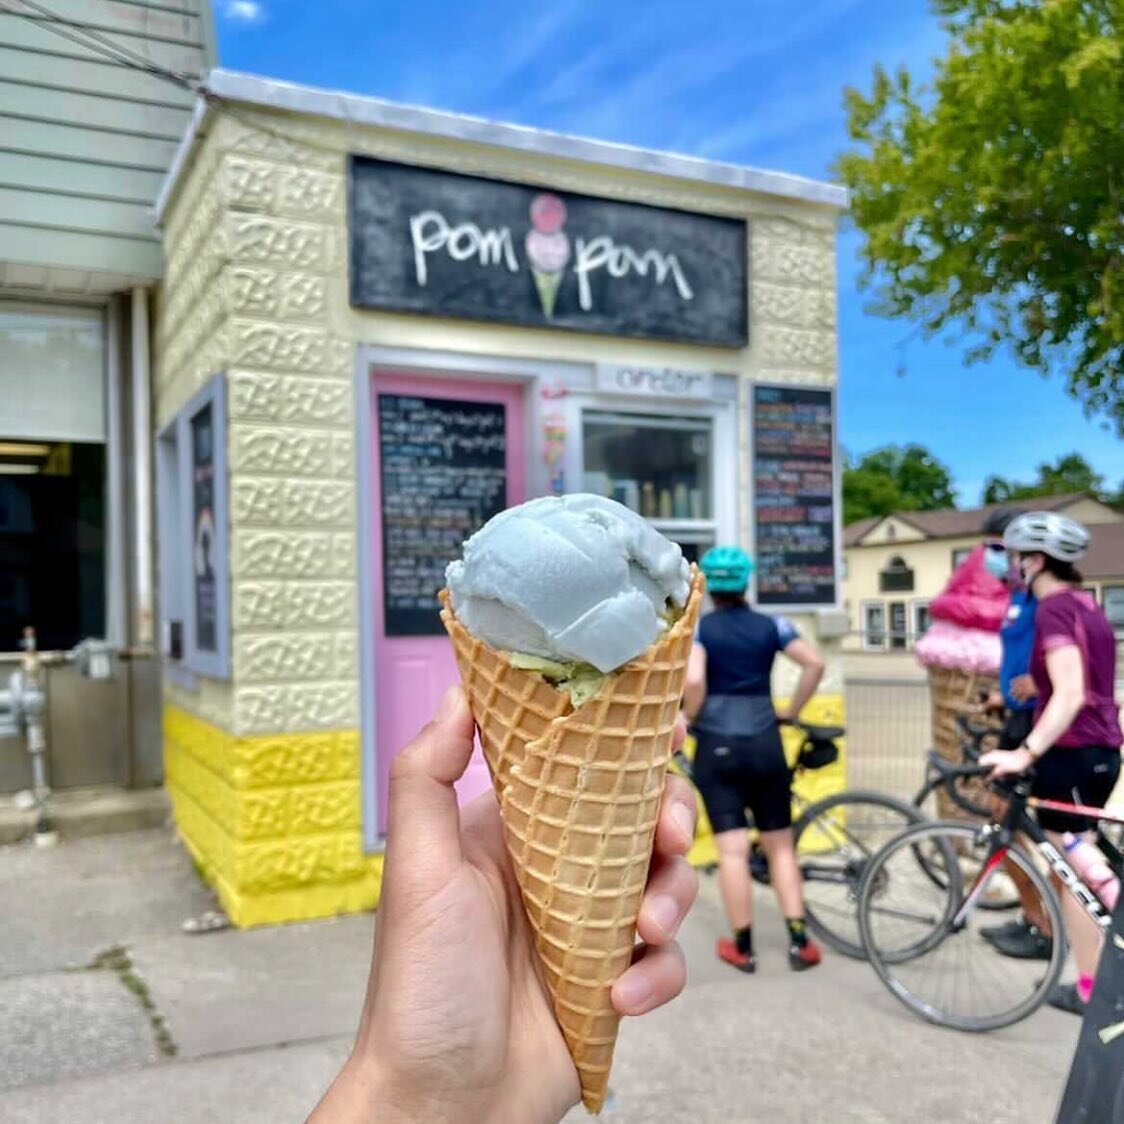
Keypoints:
(659, 72)
(244, 11)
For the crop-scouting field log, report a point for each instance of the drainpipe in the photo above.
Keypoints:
(142, 468)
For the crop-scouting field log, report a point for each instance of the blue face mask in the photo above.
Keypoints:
(997, 564)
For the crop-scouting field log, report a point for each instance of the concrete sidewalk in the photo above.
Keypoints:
(109, 1012)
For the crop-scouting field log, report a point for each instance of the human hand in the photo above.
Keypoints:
(1023, 688)
(458, 1023)
(1007, 762)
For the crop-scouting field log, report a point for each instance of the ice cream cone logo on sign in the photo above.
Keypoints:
(548, 248)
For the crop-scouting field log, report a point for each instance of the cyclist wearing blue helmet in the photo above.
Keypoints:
(739, 760)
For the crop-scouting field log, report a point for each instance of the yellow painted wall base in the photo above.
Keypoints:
(823, 710)
(273, 821)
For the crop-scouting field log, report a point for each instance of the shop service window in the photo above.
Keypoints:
(661, 467)
(192, 518)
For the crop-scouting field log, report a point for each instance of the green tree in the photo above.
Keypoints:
(991, 200)
(895, 479)
(1069, 473)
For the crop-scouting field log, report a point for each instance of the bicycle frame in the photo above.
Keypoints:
(1016, 821)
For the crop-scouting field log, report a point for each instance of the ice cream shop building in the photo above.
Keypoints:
(380, 325)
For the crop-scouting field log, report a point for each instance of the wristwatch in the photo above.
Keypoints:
(1033, 756)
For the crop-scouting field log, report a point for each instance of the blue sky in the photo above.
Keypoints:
(755, 82)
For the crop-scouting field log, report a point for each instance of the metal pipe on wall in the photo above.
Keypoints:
(117, 586)
(142, 467)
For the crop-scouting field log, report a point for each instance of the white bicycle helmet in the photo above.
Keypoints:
(1047, 532)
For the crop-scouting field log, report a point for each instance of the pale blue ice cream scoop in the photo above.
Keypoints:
(576, 578)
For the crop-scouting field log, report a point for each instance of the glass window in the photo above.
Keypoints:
(960, 556)
(660, 467)
(897, 577)
(874, 625)
(52, 542)
(1113, 600)
(921, 619)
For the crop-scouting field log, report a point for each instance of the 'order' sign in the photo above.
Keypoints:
(659, 382)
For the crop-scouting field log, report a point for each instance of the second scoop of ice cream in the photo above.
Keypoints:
(574, 578)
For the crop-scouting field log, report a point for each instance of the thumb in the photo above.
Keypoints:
(423, 836)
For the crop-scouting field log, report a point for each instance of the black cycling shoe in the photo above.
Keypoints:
(1030, 944)
(1013, 928)
(1065, 998)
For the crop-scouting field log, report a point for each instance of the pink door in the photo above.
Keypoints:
(447, 454)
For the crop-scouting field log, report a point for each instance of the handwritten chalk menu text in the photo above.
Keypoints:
(443, 470)
(794, 484)
(433, 242)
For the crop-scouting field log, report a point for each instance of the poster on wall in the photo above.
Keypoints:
(429, 241)
(443, 471)
(204, 582)
(793, 434)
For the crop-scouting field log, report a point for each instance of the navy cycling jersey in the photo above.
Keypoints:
(741, 645)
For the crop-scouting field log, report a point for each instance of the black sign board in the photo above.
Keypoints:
(203, 521)
(443, 469)
(1094, 1093)
(428, 241)
(794, 495)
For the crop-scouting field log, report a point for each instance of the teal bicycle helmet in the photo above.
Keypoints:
(727, 569)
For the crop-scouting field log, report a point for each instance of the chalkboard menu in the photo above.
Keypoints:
(203, 521)
(1094, 1093)
(794, 496)
(443, 468)
(429, 241)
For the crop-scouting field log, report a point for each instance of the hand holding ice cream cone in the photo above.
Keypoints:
(458, 1023)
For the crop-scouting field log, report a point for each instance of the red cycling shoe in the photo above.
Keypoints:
(801, 958)
(728, 950)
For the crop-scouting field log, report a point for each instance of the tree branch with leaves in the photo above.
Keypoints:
(993, 200)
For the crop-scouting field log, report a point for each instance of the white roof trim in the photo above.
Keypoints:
(273, 94)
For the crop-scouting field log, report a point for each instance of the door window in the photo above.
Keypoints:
(898, 635)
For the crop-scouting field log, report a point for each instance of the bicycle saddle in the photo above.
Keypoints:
(822, 733)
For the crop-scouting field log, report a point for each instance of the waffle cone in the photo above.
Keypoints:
(579, 794)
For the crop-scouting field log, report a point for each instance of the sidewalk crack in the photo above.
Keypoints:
(117, 959)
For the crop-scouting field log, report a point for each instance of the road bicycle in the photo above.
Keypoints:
(922, 935)
(835, 839)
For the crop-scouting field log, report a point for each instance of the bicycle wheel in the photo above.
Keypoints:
(1002, 894)
(835, 839)
(924, 941)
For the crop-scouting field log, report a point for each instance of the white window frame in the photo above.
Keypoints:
(964, 552)
(177, 538)
(1117, 591)
(867, 644)
(915, 606)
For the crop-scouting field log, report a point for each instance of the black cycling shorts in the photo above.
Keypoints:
(1083, 775)
(736, 773)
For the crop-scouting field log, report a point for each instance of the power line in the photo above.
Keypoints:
(91, 40)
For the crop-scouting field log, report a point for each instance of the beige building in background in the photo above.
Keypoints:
(896, 564)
